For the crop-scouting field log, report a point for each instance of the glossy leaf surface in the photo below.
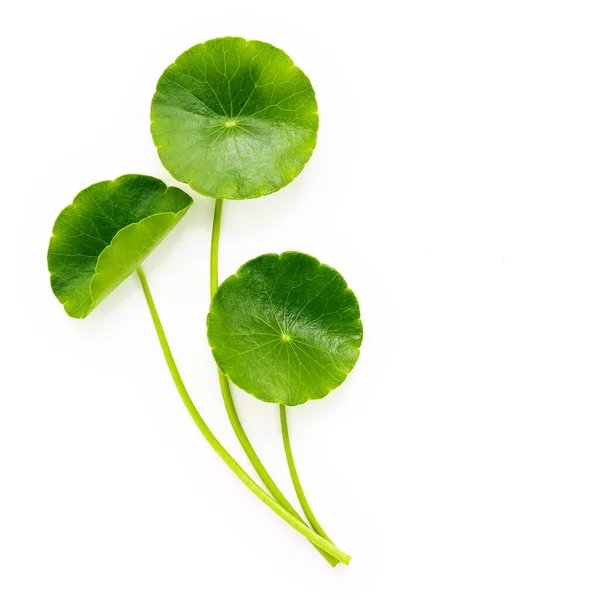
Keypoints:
(285, 328)
(234, 118)
(106, 233)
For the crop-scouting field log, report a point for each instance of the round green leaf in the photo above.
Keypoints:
(285, 328)
(105, 234)
(234, 118)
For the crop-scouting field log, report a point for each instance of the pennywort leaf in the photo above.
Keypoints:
(285, 328)
(105, 234)
(234, 119)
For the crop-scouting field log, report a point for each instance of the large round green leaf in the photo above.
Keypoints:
(285, 328)
(234, 118)
(106, 233)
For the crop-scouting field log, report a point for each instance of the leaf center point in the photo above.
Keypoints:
(286, 337)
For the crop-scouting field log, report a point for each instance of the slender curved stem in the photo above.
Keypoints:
(294, 474)
(228, 399)
(214, 247)
(297, 524)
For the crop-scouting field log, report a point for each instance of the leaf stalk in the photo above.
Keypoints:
(291, 520)
(230, 405)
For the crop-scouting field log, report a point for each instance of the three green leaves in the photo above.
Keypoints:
(234, 119)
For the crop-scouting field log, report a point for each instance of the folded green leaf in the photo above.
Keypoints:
(285, 328)
(234, 118)
(106, 233)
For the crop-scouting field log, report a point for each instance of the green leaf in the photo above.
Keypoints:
(285, 328)
(234, 118)
(105, 234)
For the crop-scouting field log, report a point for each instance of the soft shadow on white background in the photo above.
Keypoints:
(454, 186)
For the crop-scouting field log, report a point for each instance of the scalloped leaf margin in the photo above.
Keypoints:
(285, 328)
(105, 234)
(234, 119)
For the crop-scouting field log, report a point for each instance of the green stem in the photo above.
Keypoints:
(297, 524)
(228, 399)
(214, 247)
(294, 474)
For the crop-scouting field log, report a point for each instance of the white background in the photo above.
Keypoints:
(455, 185)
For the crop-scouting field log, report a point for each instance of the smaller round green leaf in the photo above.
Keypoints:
(285, 328)
(105, 234)
(234, 118)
